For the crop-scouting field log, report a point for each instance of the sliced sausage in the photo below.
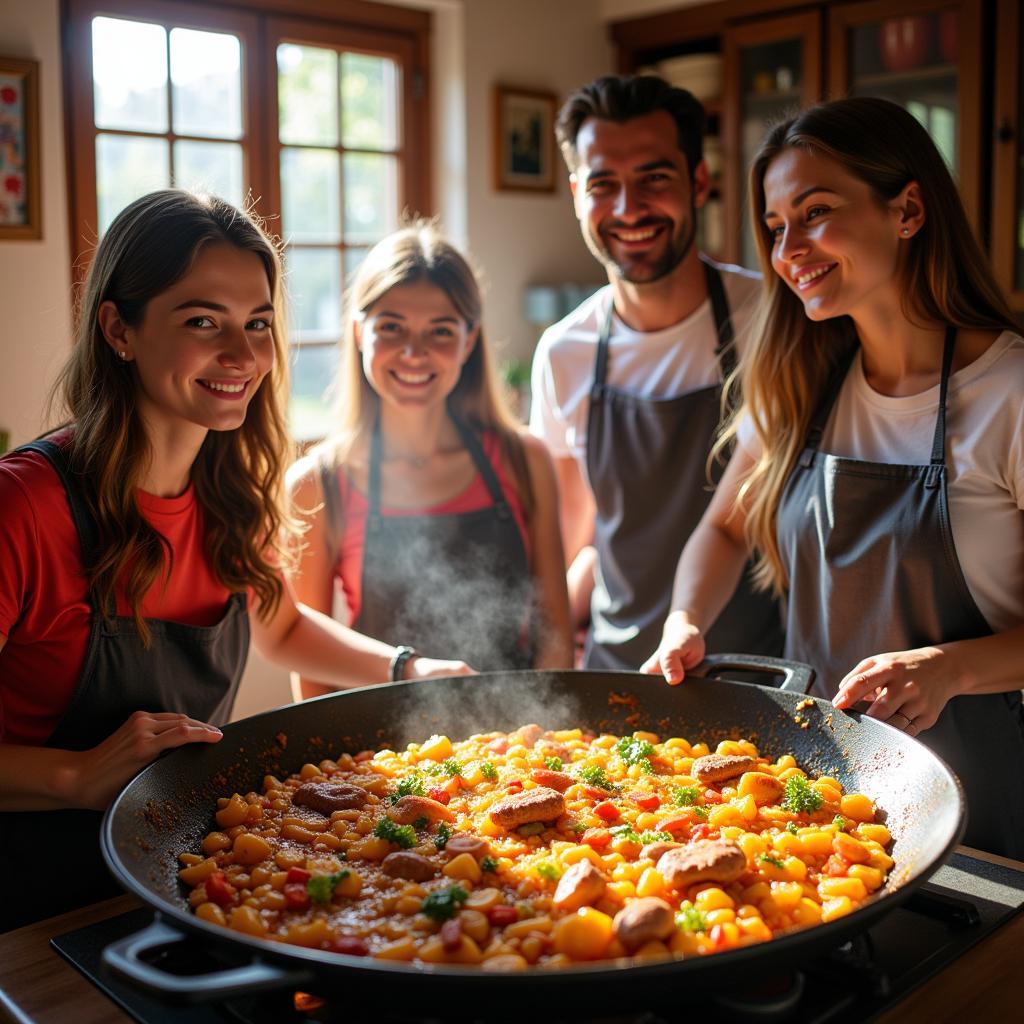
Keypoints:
(581, 886)
(327, 797)
(719, 767)
(552, 779)
(707, 860)
(406, 864)
(540, 804)
(643, 920)
(653, 851)
(411, 808)
(465, 843)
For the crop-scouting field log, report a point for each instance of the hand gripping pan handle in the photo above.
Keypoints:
(796, 676)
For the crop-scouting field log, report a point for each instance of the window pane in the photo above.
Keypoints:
(307, 95)
(353, 260)
(371, 196)
(369, 101)
(314, 369)
(127, 167)
(314, 291)
(206, 83)
(129, 70)
(214, 167)
(309, 192)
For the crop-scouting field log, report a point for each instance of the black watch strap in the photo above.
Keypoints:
(398, 662)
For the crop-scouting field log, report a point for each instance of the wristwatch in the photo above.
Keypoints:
(398, 662)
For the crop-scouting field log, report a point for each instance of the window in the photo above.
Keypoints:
(320, 122)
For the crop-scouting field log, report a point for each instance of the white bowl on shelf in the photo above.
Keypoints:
(700, 73)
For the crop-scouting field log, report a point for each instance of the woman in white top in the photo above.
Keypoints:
(879, 469)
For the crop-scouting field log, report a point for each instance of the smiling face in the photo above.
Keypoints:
(202, 347)
(635, 197)
(832, 242)
(413, 344)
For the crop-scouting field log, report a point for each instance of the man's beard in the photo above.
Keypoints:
(676, 250)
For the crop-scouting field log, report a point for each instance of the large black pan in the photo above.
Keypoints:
(168, 808)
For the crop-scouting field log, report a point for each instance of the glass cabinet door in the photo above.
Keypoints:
(924, 56)
(1008, 158)
(772, 69)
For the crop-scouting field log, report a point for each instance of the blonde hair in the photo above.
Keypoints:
(238, 474)
(790, 359)
(419, 252)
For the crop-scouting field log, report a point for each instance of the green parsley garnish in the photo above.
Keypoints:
(594, 775)
(701, 812)
(451, 767)
(624, 831)
(433, 769)
(769, 859)
(444, 903)
(549, 871)
(655, 837)
(401, 835)
(799, 797)
(554, 763)
(686, 796)
(578, 828)
(321, 887)
(645, 766)
(791, 827)
(532, 828)
(488, 771)
(489, 864)
(633, 750)
(421, 822)
(411, 785)
(444, 833)
(840, 822)
(690, 919)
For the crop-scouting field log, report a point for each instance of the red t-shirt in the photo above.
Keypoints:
(45, 612)
(354, 507)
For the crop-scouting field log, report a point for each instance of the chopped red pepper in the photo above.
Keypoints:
(298, 875)
(219, 890)
(836, 866)
(676, 823)
(442, 796)
(712, 796)
(607, 811)
(350, 945)
(502, 914)
(718, 937)
(296, 896)
(646, 801)
(701, 832)
(514, 786)
(597, 838)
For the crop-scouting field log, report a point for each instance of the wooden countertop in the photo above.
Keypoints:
(38, 986)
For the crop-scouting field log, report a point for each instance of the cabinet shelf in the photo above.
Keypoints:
(917, 76)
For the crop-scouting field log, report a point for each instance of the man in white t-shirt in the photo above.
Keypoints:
(627, 388)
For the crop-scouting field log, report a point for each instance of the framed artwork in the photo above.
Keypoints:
(20, 204)
(524, 140)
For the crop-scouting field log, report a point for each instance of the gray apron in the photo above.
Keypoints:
(646, 463)
(194, 670)
(873, 569)
(452, 586)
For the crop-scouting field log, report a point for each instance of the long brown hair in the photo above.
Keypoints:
(420, 252)
(943, 275)
(238, 474)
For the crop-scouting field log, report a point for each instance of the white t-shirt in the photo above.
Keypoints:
(656, 364)
(984, 456)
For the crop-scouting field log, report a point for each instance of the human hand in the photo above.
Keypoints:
(105, 769)
(428, 668)
(906, 689)
(681, 647)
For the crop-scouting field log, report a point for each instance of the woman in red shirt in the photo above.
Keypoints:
(431, 507)
(136, 537)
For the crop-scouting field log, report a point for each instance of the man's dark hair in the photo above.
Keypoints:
(623, 97)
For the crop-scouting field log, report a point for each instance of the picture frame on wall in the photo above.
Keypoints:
(20, 200)
(524, 140)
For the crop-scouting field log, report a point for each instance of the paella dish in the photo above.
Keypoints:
(537, 848)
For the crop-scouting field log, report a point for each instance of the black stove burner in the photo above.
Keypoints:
(966, 900)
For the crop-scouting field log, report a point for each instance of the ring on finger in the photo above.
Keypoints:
(905, 718)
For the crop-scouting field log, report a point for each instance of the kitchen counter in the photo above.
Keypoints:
(37, 985)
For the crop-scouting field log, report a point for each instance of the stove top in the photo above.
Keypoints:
(965, 901)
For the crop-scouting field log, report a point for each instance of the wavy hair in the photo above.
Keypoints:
(943, 275)
(419, 252)
(238, 475)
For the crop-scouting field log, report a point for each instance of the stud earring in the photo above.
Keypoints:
(906, 231)
(123, 355)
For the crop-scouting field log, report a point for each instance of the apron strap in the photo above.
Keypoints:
(601, 359)
(939, 440)
(725, 350)
(483, 464)
(373, 482)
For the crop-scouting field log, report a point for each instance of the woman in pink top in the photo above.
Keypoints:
(431, 507)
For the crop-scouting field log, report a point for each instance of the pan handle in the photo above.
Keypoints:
(124, 958)
(796, 676)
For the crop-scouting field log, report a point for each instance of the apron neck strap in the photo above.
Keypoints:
(373, 476)
(725, 352)
(939, 440)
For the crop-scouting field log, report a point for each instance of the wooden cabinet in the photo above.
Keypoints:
(954, 63)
